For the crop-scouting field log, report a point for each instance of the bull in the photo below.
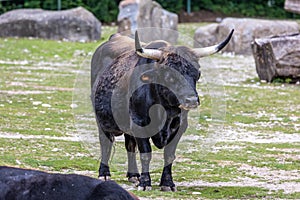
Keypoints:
(16, 183)
(144, 91)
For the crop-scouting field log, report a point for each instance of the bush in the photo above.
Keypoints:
(104, 10)
(107, 10)
(172, 5)
(254, 8)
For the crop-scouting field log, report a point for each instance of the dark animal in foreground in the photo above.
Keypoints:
(128, 83)
(25, 184)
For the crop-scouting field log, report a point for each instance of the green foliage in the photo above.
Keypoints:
(255, 8)
(172, 5)
(107, 10)
(104, 10)
(282, 80)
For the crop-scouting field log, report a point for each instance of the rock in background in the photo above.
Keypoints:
(76, 24)
(246, 30)
(206, 35)
(292, 6)
(277, 57)
(135, 14)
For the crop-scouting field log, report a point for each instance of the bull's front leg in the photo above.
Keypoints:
(166, 181)
(145, 150)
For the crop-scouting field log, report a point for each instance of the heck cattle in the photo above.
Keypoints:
(144, 91)
(24, 184)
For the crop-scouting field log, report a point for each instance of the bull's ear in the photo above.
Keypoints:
(148, 76)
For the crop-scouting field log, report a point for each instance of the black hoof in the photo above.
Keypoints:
(134, 180)
(144, 182)
(133, 177)
(168, 189)
(104, 178)
(145, 188)
(104, 171)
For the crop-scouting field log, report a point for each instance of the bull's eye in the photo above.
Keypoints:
(145, 78)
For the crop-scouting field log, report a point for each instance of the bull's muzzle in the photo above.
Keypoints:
(190, 103)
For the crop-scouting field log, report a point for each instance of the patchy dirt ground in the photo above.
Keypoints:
(236, 71)
(239, 71)
(251, 152)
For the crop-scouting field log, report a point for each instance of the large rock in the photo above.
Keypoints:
(206, 35)
(147, 13)
(75, 24)
(292, 6)
(246, 30)
(277, 57)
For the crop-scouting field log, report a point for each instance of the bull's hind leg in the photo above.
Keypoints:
(106, 142)
(144, 147)
(133, 172)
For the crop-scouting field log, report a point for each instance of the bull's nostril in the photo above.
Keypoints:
(191, 100)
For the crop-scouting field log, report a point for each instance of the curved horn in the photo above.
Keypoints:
(206, 51)
(146, 53)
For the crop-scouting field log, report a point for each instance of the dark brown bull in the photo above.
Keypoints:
(144, 92)
(29, 184)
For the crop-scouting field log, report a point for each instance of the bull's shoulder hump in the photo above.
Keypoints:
(114, 47)
(120, 67)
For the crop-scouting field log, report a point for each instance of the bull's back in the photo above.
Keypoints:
(107, 52)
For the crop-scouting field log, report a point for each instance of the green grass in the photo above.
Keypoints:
(46, 153)
(210, 193)
(36, 89)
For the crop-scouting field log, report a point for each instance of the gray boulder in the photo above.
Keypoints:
(206, 35)
(277, 57)
(76, 24)
(144, 14)
(246, 30)
(292, 6)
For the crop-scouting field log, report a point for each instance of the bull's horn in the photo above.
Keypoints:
(206, 51)
(146, 53)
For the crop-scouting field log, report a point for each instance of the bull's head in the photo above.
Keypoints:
(199, 52)
(177, 71)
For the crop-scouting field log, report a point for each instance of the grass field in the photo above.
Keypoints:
(247, 145)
